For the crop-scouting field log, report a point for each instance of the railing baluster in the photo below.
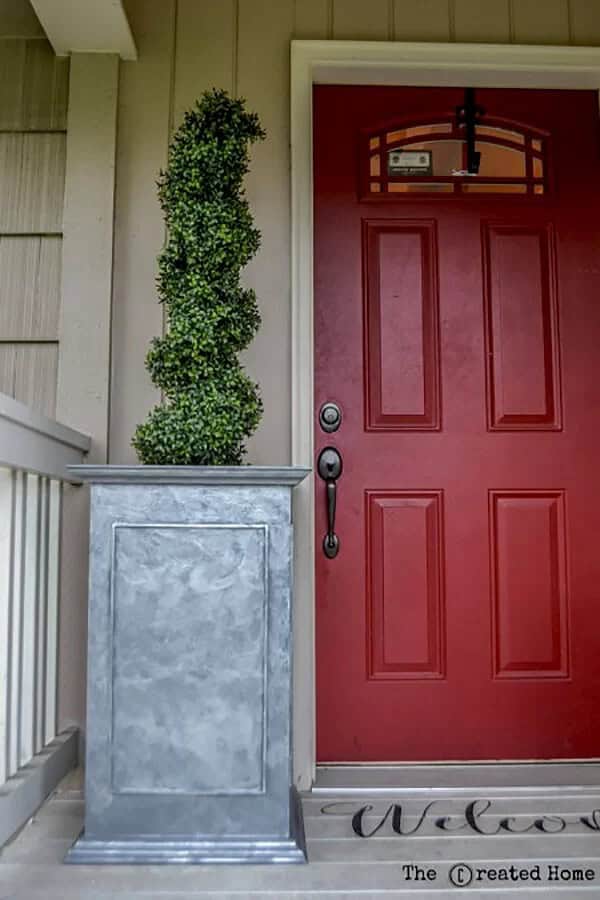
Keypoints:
(17, 620)
(54, 529)
(42, 636)
(7, 479)
(26, 742)
(34, 455)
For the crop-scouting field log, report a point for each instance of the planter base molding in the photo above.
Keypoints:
(255, 851)
(188, 754)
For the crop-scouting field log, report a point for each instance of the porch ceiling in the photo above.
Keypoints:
(86, 26)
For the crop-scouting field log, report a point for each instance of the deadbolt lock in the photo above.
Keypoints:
(330, 417)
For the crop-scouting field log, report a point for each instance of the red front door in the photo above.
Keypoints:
(457, 325)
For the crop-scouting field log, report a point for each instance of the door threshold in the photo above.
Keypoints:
(496, 778)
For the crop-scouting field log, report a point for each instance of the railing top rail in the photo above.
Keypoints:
(31, 441)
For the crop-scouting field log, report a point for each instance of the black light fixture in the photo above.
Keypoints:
(467, 117)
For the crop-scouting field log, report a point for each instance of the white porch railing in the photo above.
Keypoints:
(34, 452)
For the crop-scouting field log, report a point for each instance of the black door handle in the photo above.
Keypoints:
(330, 467)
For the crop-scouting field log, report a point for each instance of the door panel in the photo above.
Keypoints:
(521, 315)
(530, 623)
(401, 319)
(460, 335)
(404, 560)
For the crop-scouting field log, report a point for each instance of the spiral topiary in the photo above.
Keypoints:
(209, 406)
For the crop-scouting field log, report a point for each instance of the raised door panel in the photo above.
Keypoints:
(405, 605)
(529, 584)
(401, 319)
(523, 369)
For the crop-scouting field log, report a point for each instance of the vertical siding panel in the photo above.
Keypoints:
(60, 93)
(28, 373)
(38, 86)
(7, 369)
(47, 303)
(263, 73)
(12, 67)
(143, 131)
(33, 86)
(44, 88)
(585, 22)
(361, 20)
(206, 35)
(486, 22)
(533, 24)
(19, 265)
(29, 287)
(17, 19)
(312, 19)
(33, 98)
(427, 20)
(32, 177)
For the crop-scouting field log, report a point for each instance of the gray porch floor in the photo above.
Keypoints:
(341, 864)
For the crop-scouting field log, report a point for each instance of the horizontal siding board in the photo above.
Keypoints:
(427, 20)
(32, 176)
(534, 24)
(28, 373)
(361, 21)
(29, 287)
(485, 22)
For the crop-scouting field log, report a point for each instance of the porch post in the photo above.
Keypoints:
(83, 387)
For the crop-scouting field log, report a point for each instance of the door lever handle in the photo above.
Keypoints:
(329, 467)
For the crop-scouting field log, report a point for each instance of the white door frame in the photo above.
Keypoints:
(372, 62)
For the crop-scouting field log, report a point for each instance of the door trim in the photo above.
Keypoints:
(371, 62)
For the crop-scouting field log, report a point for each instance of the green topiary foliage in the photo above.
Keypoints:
(210, 405)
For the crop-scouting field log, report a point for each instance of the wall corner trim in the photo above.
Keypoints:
(83, 391)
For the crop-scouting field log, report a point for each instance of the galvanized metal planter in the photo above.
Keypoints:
(189, 667)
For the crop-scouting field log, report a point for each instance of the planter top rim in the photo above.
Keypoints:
(207, 475)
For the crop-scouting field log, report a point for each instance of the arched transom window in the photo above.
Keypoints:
(432, 157)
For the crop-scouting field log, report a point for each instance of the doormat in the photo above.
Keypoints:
(477, 817)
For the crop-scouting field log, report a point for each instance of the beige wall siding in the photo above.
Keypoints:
(186, 46)
(144, 114)
(33, 104)
(29, 287)
(428, 20)
(17, 19)
(33, 86)
(32, 182)
(355, 20)
(28, 372)
(584, 16)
